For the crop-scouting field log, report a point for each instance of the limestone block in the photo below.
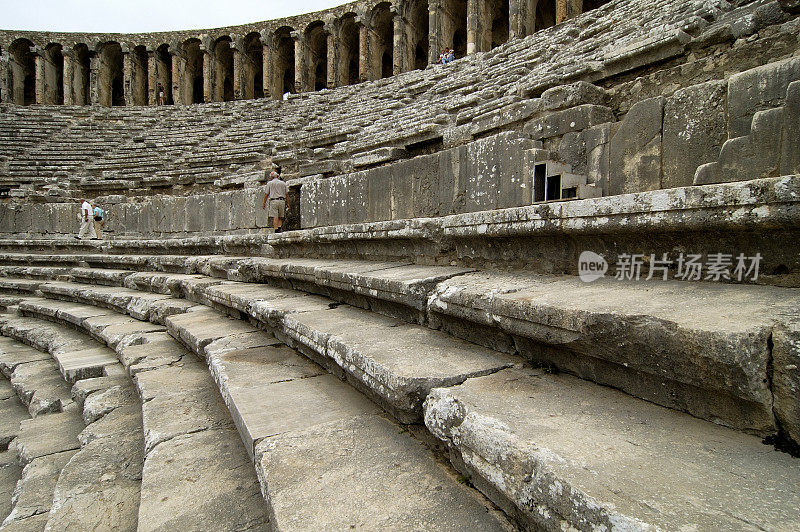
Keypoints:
(194, 213)
(786, 379)
(178, 207)
(402, 199)
(338, 200)
(597, 139)
(379, 193)
(520, 436)
(425, 174)
(574, 119)
(208, 213)
(452, 182)
(34, 492)
(323, 202)
(790, 138)
(574, 94)
(757, 89)
(694, 131)
(356, 210)
(635, 149)
(223, 211)
(754, 156)
(308, 205)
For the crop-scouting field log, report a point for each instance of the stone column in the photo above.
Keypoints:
(177, 69)
(4, 92)
(237, 71)
(399, 44)
(477, 27)
(300, 74)
(94, 80)
(567, 9)
(268, 70)
(127, 76)
(333, 55)
(364, 63)
(40, 81)
(434, 30)
(69, 94)
(208, 75)
(152, 78)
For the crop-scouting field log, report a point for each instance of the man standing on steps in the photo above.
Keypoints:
(277, 196)
(86, 218)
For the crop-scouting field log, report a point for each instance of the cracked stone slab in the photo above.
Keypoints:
(168, 411)
(201, 481)
(6, 390)
(395, 363)
(83, 388)
(101, 403)
(13, 353)
(697, 347)
(98, 489)
(48, 434)
(84, 363)
(12, 412)
(201, 327)
(364, 473)
(125, 419)
(119, 332)
(39, 385)
(557, 451)
(45, 336)
(34, 492)
(10, 473)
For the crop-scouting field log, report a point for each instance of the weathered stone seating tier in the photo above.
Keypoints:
(236, 352)
(750, 217)
(488, 422)
(81, 451)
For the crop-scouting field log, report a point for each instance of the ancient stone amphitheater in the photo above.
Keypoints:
(424, 349)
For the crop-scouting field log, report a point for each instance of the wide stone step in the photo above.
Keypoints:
(77, 477)
(77, 357)
(301, 398)
(595, 457)
(655, 340)
(186, 428)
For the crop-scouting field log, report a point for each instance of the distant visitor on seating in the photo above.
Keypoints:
(277, 197)
(86, 217)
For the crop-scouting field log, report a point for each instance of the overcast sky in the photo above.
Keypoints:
(135, 16)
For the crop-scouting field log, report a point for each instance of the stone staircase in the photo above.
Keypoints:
(379, 328)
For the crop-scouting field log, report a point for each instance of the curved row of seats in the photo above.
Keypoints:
(549, 449)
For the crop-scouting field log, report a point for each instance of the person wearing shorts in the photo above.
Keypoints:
(277, 199)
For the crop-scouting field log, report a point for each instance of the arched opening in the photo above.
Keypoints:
(192, 86)
(110, 82)
(417, 31)
(80, 74)
(317, 62)
(348, 50)
(22, 73)
(499, 20)
(139, 76)
(223, 66)
(253, 67)
(284, 61)
(382, 45)
(53, 90)
(163, 61)
(545, 14)
(454, 27)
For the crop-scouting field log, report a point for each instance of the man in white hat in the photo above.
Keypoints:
(277, 196)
